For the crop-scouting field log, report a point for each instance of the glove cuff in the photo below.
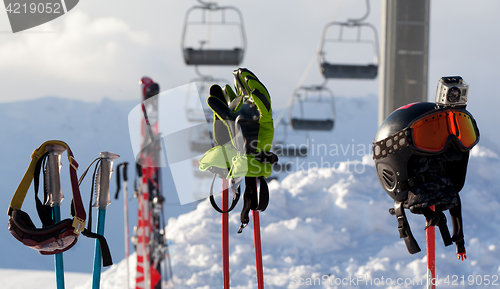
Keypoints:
(248, 166)
(218, 158)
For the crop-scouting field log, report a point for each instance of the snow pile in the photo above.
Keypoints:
(326, 226)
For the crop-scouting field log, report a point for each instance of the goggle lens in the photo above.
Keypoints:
(431, 132)
(466, 131)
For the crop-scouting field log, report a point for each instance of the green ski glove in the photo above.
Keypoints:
(243, 128)
(254, 121)
(243, 135)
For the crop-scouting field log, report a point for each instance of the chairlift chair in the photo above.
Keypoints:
(207, 56)
(303, 95)
(352, 71)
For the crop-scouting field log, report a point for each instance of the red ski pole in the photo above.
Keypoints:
(431, 256)
(225, 235)
(258, 250)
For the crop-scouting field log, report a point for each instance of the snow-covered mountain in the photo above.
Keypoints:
(325, 223)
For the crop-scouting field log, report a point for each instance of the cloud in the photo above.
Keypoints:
(83, 50)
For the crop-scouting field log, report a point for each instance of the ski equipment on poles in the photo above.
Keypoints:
(243, 134)
(100, 185)
(421, 152)
(53, 237)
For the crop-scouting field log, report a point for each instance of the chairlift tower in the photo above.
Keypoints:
(405, 54)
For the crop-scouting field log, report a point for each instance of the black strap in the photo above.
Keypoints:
(250, 200)
(263, 195)
(105, 252)
(236, 198)
(103, 244)
(125, 178)
(443, 229)
(404, 228)
(456, 219)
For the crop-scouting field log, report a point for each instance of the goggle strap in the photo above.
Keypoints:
(22, 189)
(391, 143)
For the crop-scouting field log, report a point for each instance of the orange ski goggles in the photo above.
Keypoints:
(432, 133)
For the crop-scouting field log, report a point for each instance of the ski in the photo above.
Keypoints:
(151, 245)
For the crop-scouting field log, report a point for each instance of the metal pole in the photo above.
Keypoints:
(431, 256)
(125, 212)
(258, 249)
(102, 200)
(55, 197)
(225, 235)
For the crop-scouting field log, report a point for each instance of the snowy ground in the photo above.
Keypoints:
(332, 225)
(21, 279)
(323, 226)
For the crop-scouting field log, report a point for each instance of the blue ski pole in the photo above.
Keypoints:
(102, 200)
(55, 197)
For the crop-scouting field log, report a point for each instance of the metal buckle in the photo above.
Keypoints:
(78, 224)
(73, 162)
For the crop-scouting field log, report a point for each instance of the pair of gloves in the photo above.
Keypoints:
(243, 133)
(243, 129)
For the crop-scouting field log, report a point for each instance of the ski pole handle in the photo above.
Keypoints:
(102, 199)
(53, 176)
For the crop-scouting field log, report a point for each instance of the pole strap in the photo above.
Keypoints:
(236, 198)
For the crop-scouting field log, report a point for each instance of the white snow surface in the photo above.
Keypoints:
(323, 226)
(333, 224)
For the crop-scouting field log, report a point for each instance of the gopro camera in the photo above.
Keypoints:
(452, 91)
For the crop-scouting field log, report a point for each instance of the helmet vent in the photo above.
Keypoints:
(389, 178)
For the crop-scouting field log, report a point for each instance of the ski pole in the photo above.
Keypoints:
(102, 201)
(258, 249)
(55, 197)
(431, 255)
(125, 211)
(225, 235)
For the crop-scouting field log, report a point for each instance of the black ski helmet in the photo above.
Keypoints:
(395, 152)
(392, 150)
